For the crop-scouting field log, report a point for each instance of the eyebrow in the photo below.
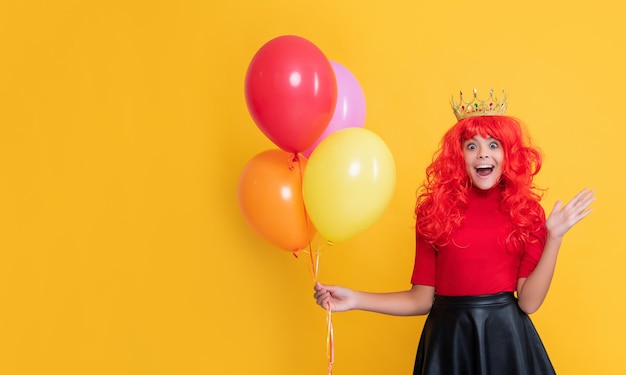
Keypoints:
(489, 138)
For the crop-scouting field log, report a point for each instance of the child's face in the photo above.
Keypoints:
(483, 161)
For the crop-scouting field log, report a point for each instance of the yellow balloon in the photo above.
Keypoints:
(349, 182)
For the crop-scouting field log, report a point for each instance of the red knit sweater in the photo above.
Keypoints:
(475, 261)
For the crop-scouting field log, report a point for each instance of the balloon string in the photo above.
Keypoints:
(330, 340)
(330, 335)
(314, 267)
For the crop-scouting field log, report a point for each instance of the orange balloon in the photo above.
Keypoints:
(270, 198)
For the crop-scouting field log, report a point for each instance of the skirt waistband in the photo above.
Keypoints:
(482, 300)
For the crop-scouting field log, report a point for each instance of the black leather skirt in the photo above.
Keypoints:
(480, 335)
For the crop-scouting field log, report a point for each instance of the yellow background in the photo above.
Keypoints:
(123, 132)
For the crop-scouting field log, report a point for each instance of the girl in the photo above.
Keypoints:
(481, 235)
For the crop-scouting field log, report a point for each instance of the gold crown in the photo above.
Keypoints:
(491, 106)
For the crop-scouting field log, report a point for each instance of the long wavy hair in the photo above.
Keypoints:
(442, 198)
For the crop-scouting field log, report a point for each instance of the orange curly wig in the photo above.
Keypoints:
(443, 196)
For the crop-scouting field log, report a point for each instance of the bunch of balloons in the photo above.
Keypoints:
(329, 175)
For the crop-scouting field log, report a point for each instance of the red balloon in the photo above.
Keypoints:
(270, 198)
(291, 92)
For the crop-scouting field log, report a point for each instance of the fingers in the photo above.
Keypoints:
(580, 194)
(576, 209)
(581, 203)
(323, 300)
(321, 295)
(320, 288)
(578, 204)
(564, 217)
(585, 195)
(317, 286)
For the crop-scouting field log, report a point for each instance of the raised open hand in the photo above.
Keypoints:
(562, 218)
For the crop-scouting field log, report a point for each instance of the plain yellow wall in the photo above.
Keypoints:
(123, 132)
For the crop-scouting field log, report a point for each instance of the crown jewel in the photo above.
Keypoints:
(491, 106)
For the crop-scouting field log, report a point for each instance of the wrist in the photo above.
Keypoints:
(357, 301)
(553, 237)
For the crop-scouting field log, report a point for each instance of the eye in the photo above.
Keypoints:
(494, 145)
(470, 146)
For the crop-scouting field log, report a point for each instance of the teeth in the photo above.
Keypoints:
(484, 166)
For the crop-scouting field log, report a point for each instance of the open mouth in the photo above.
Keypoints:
(484, 170)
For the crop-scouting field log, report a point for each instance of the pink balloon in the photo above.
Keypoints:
(350, 108)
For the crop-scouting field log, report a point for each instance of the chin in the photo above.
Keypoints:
(484, 184)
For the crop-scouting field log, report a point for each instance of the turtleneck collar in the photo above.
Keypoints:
(494, 191)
